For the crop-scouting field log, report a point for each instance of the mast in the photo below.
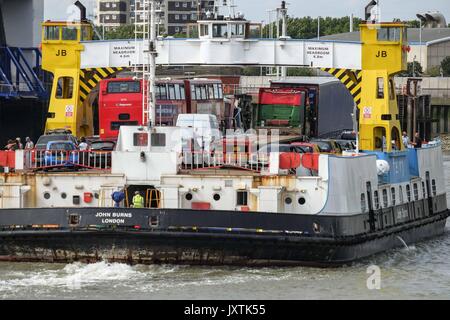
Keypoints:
(145, 69)
(152, 63)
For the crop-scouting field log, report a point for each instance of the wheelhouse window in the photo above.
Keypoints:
(408, 192)
(140, 139)
(237, 30)
(158, 139)
(70, 33)
(52, 33)
(389, 34)
(220, 31)
(204, 30)
(85, 33)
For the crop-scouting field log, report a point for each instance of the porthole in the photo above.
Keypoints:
(288, 200)
(216, 197)
(301, 201)
(46, 195)
(64, 195)
(189, 197)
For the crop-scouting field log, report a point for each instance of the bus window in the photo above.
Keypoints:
(172, 95)
(182, 92)
(220, 92)
(193, 92)
(211, 92)
(198, 93)
(177, 92)
(158, 92)
(163, 92)
(203, 91)
(216, 91)
(124, 87)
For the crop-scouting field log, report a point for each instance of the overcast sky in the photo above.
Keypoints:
(256, 10)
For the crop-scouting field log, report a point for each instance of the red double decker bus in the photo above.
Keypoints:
(120, 102)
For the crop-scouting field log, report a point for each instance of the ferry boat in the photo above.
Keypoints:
(231, 204)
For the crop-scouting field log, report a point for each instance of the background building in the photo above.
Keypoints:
(172, 16)
(182, 13)
(113, 13)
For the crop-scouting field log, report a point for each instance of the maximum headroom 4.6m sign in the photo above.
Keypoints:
(318, 54)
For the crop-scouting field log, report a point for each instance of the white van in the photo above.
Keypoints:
(204, 128)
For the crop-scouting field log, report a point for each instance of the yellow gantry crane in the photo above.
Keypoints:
(383, 54)
(61, 55)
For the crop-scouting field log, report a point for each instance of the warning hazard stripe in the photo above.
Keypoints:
(351, 78)
(89, 79)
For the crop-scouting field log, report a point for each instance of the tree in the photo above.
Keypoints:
(445, 65)
(413, 23)
(414, 70)
(123, 32)
(306, 27)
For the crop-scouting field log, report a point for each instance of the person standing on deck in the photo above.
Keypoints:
(83, 146)
(406, 140)
(417, 141)
(138, 200)
(29, 145)
(19, 144)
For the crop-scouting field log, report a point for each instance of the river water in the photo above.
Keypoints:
(419, 272)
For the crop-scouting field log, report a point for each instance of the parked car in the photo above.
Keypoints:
(42, 142)
(348, 135)
(60, 154)
(347, 145)
(327, 146)
(99, 154)
(38, 153)
(307, 147)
